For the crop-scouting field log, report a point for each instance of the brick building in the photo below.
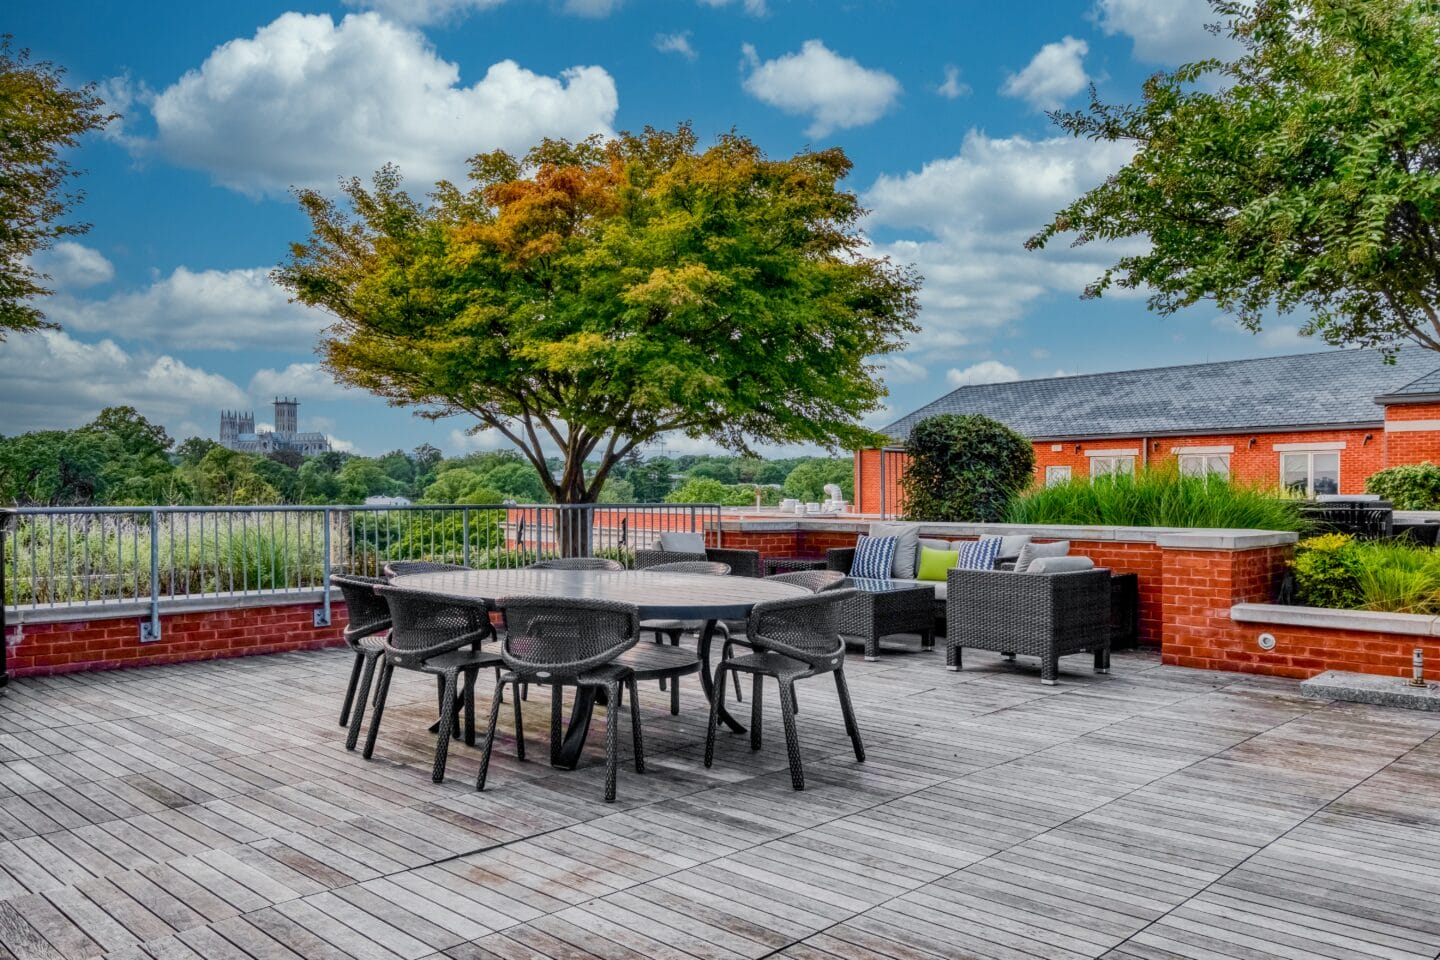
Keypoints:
(1316, 422)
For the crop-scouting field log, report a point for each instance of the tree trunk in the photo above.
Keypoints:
(574, 521)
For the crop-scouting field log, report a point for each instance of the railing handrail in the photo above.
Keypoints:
(359, 507)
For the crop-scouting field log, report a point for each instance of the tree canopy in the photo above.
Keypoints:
(39, 117)
(590, 296)
(964, 468)
(1304, 174)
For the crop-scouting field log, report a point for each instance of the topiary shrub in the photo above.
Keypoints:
(1412, 487)
(964, 468)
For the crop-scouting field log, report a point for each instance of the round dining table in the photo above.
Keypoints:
(658, 595)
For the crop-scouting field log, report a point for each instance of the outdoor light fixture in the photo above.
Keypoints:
(1253, 441)
(1077, 448)
(1368, 438)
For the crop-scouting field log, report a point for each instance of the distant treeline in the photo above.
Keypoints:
(121, 458)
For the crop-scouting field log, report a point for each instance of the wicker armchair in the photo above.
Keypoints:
(813, 580)
(367, 617)
(742, 563)
(442, 636)
(403, 568)
(561, 642)
(790, 640)
(577, 563)
(1045, 615)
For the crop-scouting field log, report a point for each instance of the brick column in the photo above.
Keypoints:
(1200, 583)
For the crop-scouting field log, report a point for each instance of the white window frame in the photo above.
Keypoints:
(1310, 456)
(1201, 464)
(1058, 474)
(1112, 464)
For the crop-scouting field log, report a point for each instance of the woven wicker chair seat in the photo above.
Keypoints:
(651, 661)
(770, 664)
(458, 659)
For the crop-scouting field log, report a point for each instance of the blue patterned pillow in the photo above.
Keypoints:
(873, 556)
(979, 554)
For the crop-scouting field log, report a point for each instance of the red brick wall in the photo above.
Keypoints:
(1405, 446)
(1199, 588)
(46, 648)
(1305, 651)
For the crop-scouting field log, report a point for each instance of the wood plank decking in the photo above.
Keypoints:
(211, 811)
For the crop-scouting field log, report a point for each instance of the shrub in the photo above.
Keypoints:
(1340, 572)
(1327, 572)
(1158, 497)
(1412, 487)
(964, 467)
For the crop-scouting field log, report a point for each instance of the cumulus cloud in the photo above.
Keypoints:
(952, 88)
(986, 371)
(50, 380)
(676, 43)
(755, 8)
(835, 91)
(1170, 33)
(1054, 74)
(591, 8)
(900, 369)
(307, 100)
(964, 220)
(197, 309)
(73, 266)
(424, 11)
(309, 381)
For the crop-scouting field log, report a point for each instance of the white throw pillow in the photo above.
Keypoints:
(907, 547)
(674, 542)
(1034, 551)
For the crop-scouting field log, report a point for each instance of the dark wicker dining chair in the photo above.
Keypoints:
(404, 568)
(367, 617)
(442, 636)
(812, 580)
(674, 628)
(563, 642)
(577, 563)
(790, 640)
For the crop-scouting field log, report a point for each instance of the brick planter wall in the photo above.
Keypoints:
(1200, 587)
(48, 648)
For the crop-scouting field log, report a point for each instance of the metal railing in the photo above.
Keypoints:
(54, 558)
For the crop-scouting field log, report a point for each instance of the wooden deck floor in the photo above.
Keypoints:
(210, 810)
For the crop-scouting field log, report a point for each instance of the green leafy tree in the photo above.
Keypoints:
(463, 485)
(285, 480)
(706, 490)
(193, 449)
(39, 119)
(316, 482)
(52, 468)
(1304, 174)
(722, 469)
(362, 477)
(964, 468)
(592, 296)
(228, 477)
(650, 479)
(807, 481)
(617, 491)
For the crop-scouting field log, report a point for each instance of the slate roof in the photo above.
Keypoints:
(1304, 390)
(1426, 386)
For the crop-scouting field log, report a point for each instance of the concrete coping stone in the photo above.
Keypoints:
(1178, 538)
(199, 603)
(1369, 688)
(1364, 621)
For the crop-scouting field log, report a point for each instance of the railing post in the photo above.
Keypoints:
(465, 536)
(322, 615)
(4, 635)
(150, 630)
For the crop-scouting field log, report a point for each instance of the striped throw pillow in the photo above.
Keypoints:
(873, 556)
(979, 554)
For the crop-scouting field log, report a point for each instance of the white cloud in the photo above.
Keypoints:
(676, 43)
(1273, 335)
(755, 8)
(50, 380)
(462, 441)
(308, 381)
(73, 266)
(974, 212)
(591, 8)
(835, 91)
(307, 100)
(1054, 74)
(214, 309)
(899, 369)
(986, 371)
(424, 11)
(1169, 32)
(953, 87)
(339, 445)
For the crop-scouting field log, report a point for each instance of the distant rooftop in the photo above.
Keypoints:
(1336, 387)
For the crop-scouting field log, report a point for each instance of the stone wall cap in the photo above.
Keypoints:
(197, 603)
(1368, 621)
(1188, 538)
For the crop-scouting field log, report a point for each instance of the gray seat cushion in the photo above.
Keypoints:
(1035, 551)
(676, 542)
(1044, 565)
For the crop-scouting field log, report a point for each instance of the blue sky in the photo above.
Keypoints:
(166, 305)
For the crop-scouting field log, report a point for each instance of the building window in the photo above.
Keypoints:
(1205, 465)
(1057, 475)
(1311, 472)
(1108, 466)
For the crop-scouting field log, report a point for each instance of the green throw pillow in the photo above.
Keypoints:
(935, 563)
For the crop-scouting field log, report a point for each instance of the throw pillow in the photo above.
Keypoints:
(1010, 546)
(935, 563)
(1034, 551)
(907, 547)
(873, 557)
(979, 554)
(1060, 565)
(675, 542)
